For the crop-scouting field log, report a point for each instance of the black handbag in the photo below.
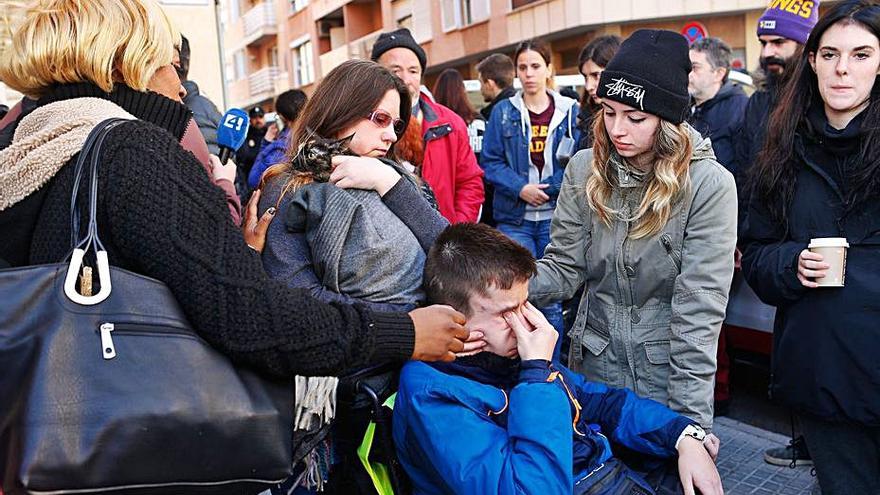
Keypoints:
(116, 393)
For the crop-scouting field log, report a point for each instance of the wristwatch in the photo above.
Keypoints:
(693, 431)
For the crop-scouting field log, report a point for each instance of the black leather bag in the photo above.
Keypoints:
(116, 392)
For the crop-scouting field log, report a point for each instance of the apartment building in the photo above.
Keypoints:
(274, 45)
(198, 20)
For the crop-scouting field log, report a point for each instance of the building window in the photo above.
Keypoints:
(403, 13)
(297, 5)
(273, 56)
(405, 22)
(238, 62)
(301, 63)
(455, 14)
(515, 4)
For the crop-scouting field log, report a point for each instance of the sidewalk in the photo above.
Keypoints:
(742, 467)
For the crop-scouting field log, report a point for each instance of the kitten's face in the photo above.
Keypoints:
(316, 157)
(368, 139)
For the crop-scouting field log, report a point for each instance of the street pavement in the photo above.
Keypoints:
(742, 467)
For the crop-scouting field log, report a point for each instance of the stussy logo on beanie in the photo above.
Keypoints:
(621, 86)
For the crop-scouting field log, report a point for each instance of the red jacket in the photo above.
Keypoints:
(450, 167)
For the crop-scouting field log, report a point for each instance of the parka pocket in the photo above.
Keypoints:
(653, 370)
(594, 341)
(657, 352)
(596, 361)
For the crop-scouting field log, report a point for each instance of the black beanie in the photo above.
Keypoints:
(401, 38)
(650, 72)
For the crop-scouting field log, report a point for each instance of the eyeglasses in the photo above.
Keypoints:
(382, 119)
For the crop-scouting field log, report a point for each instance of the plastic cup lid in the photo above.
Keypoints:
(824, 242)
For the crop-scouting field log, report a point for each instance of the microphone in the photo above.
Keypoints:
(232, 132)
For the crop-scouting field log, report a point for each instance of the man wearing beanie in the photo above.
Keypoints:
(782, 30)
(436, 145)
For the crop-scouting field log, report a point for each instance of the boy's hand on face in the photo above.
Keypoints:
(535, 336)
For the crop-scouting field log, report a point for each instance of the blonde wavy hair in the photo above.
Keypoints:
(667, 181)
(97, 41)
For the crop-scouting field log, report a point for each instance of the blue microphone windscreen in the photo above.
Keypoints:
(233, 129)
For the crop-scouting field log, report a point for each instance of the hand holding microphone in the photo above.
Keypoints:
(232, 132)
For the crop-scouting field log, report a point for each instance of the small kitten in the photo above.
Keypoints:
(315, 157)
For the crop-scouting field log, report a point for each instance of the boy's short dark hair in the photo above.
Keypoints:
(290, 103)
(471, 258)
(497, 67)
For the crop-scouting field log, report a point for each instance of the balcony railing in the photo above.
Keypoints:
(333, 58)
(260, 22)
(361, 47)
(263, 81)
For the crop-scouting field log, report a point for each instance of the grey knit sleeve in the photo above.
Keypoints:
(407, 202)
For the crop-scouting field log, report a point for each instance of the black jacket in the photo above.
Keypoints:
(248, 152)
(753, 127)
(585, 125)
(160, 216)
(206, 114)
(826, 340)
(719, 119)
(505, 93)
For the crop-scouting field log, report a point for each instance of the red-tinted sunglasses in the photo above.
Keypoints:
(382, 119)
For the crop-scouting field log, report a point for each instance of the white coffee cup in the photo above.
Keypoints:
(833, 251)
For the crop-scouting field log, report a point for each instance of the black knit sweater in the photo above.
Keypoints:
(159, 215)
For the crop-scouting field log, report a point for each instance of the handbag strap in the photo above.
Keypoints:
(91, 240)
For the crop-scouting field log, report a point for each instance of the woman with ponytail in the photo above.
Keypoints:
(646, 222)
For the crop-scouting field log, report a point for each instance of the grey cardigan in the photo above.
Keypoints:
(652, 309)
(352, 246)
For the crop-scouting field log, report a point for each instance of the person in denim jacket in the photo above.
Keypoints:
(527, 143)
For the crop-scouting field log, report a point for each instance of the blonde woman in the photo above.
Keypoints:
(88, 60)
(647, 221)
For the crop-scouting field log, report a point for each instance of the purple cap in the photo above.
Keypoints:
(792, 19)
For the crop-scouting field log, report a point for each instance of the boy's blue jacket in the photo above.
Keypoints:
(505, 157)
(460, 429)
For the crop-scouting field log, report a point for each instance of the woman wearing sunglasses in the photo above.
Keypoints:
(351, 226)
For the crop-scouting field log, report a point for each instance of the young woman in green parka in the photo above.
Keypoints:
(646, 220)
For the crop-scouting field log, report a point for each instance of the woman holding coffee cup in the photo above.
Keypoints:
(811, 245)
(529, 138)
